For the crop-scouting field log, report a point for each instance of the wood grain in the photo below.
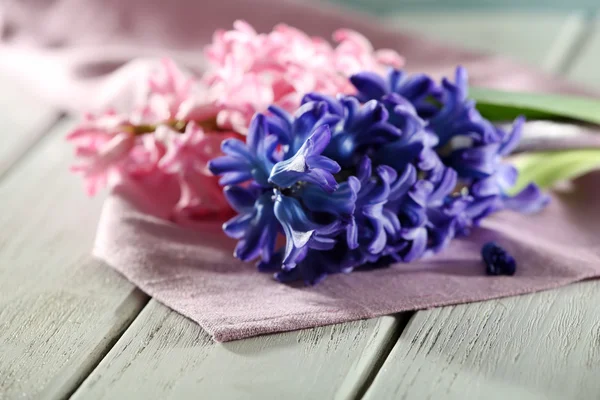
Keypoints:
(23, 119)
(163, 355)
(533, 37)
(539, 346)
(60, 310)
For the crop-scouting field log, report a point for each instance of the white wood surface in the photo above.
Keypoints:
(23, 119)
(537, 38)
(539, 346)
(163, 355)
(585, 69)
(60, 311)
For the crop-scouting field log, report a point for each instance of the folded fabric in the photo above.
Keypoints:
(192, 270)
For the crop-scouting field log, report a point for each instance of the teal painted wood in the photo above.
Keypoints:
(60, 310)
(163, 355)
(386, 6)
(548, 35)
(585, 68)
(543, 346)
(23, 119)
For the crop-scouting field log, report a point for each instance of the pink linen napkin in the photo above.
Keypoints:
(78, 53)
(193, 272)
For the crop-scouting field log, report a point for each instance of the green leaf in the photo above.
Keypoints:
(548, 168)
(498, 105)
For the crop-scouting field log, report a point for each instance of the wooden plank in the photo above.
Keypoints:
(164, 355)
(539, 346)
(536, 38)
(585, 69)
(60, 310)
(23, 118)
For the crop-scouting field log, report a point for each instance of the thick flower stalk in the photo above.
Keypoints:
(391, 174)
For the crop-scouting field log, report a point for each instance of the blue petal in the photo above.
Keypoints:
(529, 200)
(370, 85)
(233, 178)
(340, 202)
(475, 162)
(237, 226)
(444, 187)
(225, 164)
(260, 231)
(298, 168)
(297, 227)
(514, 137)
(257, 131)
(239, 198)
(418, 246)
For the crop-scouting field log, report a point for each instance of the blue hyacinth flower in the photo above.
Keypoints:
(391, 174)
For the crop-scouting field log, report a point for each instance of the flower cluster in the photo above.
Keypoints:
(390, 174)
(251, 71)
(164, 144)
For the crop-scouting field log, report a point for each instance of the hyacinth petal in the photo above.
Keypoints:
(297, 168)
(341, 202)
(444, 187)
(513, 137)
(352, 234)
(324, 163)
(297, 227)
(506, 176)
(485, 187)
(256, 132)
(260, 230)
(378, 241)
(421, 191)
(235, 147)
(370, 85)
(239, 198)
(418, 246)
(306, 120)
(225, 164)
(234, 178)
(404, 182)
(475, 162)
(332, 105)
(529, 200)
(236, 227)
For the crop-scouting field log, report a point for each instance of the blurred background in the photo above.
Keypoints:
(54, 45)
(557, 36)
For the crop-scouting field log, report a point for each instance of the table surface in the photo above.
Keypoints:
(70, 326)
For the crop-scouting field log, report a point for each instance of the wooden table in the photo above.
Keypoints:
(72, 327)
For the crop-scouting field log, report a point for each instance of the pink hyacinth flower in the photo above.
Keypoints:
(101, 145)
(186, 159)
(248, 71)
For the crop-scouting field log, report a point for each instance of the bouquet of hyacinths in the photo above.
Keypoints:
(331, 158)
(390, 174)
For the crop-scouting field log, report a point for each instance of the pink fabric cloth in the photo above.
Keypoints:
(193, 271)
(66, 48)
